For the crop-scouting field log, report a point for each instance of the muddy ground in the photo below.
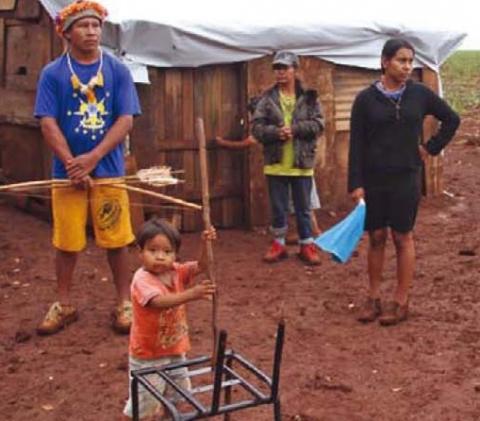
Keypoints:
(427, 369)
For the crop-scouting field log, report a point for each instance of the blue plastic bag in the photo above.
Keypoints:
(342, 239)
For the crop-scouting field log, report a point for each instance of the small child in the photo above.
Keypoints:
(159, 333)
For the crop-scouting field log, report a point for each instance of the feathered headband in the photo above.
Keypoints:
(78, 10)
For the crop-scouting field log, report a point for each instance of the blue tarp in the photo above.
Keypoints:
(342, 239)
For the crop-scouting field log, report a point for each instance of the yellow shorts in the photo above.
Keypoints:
(110, 212)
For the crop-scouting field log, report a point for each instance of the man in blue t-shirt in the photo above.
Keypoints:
(86, 101)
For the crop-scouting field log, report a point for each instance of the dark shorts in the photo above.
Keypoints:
(392, 201)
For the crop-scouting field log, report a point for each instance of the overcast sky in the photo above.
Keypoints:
(456, 15)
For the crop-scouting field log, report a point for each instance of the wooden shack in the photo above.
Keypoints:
(164, 134)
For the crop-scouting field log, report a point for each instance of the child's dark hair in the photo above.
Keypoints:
(391, 47)
(156, 226)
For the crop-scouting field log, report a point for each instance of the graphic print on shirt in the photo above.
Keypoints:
(90, 109)
(172, 327)
(92, 112)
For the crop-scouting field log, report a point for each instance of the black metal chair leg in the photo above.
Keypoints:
(218, 373)
(277, 416)
(134, 395)
(228, 390)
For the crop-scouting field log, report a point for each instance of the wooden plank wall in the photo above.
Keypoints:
(20, 139)
(20, 65)
(25, 47)
(2, 51)
(164, 135)
(348, 82)
(7, 5)
(319, 74)
(28, 9)
(20, 145)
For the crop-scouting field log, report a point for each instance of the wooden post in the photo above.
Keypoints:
(159, 196)
(200, 132)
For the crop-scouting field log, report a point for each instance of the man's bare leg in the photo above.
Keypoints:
(65, 263)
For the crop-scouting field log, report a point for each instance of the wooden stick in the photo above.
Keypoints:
(159, 196)
(25, 190)
(123, 180)
(202, 145)
(20, 187)
(66, 183)
(38, 183)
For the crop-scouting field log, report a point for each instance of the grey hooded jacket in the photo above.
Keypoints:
(307, 125)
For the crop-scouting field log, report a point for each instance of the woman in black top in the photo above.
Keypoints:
(385, 163)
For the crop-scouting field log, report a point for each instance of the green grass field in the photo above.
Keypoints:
(461, 80)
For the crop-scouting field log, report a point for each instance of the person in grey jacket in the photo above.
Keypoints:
(287, 121)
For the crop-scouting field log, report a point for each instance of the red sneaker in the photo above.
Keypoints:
(309, 254)
(275, 253)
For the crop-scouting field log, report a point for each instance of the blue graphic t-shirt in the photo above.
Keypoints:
(84, 122)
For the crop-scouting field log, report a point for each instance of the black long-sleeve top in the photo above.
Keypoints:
(385, 136)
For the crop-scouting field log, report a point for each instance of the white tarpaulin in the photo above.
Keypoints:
(167, 34)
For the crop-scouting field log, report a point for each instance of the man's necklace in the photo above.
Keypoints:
(88, 88)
